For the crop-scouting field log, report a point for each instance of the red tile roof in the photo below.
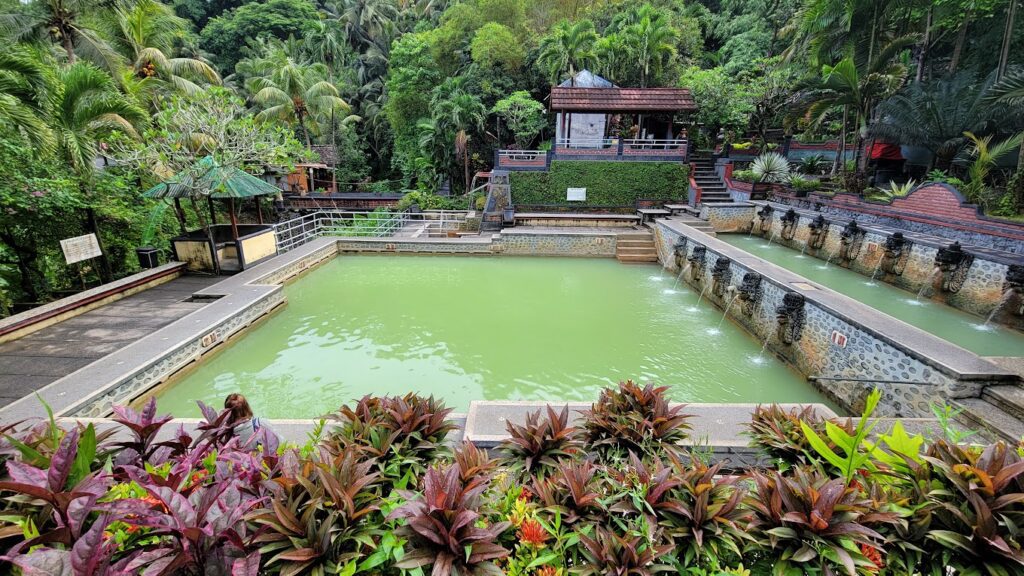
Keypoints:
(622, 99)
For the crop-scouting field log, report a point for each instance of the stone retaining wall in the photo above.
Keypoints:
(982, 287)
(874, 346)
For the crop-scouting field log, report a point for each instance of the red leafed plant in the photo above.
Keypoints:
(572, 491)
(634, 419)
(813, 522)
(541, 443)
(608, 554)
(443, 526)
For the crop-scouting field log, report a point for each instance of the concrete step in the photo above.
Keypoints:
(1008, 398)
(647, 252)
(635, 243)
(979, 414)
(632, 258)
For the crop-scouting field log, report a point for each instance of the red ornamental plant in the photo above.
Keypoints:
(442, 525)
(812, 522)
(571, 491)
(532, 533)
(979, 515)
(608, 554)
(541, 443)
(634, 419)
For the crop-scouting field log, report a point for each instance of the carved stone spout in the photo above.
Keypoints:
(697, 259)
(679, 251)
(790, 317)
(952, 264)
(789, 222)
(850, 241)
(750, 293)
(1013, 290)
(764, 217)
(818, 231)
(721, 275)
(896, 252)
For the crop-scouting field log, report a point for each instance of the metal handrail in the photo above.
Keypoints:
(298, 231)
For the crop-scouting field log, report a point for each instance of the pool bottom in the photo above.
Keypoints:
(483, 328)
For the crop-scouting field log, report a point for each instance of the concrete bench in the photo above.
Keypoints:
(648, 214)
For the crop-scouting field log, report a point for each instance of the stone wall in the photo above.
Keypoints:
(929, 209)
(728, 217)
(982, 285)
(516, 242)
(874, 354)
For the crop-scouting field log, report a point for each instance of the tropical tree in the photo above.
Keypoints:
(983, 156)
(936, 115)
(296, 93)
(86, 107)
(23, 91)
(366, 21)
(612, 56)
(458, 114)
(69, 23)
(524, 116)
(144, 33)
(568, 48)
(856, 89)
(651, 40)
(327, 43)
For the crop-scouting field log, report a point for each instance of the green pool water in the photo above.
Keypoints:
(478, 328)
(946, 322)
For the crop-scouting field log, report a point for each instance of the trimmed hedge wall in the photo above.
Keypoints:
(607, 183)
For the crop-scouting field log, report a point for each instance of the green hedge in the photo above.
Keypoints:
(607, 183)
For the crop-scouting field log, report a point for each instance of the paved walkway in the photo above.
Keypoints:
(31, 362)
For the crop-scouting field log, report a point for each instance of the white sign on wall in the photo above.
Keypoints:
(80, 248)
(576, 194)
(838, 338)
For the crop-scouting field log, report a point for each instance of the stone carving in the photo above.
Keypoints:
(850, 241)
(896, 252)
(697, 260)
(721, 275)
(789, 222)
(1013, 290)
(952, 265)
(790, 318)
(750, 293)
(818, 231)
(764, 216)
(679, 250)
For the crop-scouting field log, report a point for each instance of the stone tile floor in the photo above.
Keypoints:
(31, 362)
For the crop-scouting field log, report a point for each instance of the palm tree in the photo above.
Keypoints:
(327, 44)
(652, 41)
(611, 55)
(457, 115)
(144, 32)
(296, 93)
(69, 23)
(85, 108)
(23, 95)
(856, 89)
(569, 47)
(366, 21)
(984, 156)
(935, 115)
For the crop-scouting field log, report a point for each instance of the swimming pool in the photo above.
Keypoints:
(484, 328)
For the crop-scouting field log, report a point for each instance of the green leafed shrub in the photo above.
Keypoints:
(770, 167)
(607, 183)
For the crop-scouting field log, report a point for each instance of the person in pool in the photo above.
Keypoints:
(244, 425)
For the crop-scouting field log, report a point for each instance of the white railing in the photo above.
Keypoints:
(654, 143)
(523, 155)
(587, 143)
(347, 223)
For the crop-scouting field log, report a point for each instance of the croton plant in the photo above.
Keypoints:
(383, 488)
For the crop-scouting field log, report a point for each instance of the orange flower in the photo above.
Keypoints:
(153, 501)
(546, 571)
(532, 533)
(873, 555)
(525, 495)
(198, 476)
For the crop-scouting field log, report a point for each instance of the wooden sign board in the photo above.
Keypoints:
(80, 248)
(576, 194)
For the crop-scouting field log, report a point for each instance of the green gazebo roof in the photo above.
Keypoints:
(209, 178)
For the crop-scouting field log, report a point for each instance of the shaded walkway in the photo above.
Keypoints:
(31, 362)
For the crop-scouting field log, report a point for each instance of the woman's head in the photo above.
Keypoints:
(238, 406)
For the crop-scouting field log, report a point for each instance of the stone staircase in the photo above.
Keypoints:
(636, 247)
(713, 190)
(1000, 410)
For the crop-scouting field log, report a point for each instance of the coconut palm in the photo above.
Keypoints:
(296, 93)
(459, 114)
(68, 23)
(326, 43)
(935, 115)
(23, 93)
(568, 48)
(366, 21)
(651, 39)
(86, 107)
(144, 32)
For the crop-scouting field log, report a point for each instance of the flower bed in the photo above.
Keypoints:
(377, 491)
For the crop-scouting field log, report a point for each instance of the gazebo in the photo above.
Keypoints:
(217, 247)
